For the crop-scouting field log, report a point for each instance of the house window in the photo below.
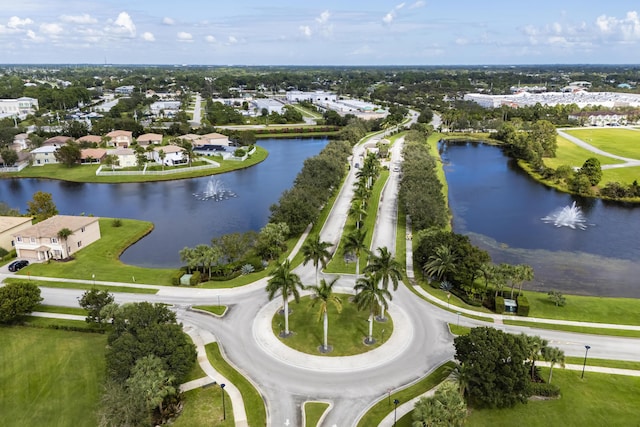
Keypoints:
(54, 240)
(80, 244)
(82, 230)
(19, 239)
(33, 240)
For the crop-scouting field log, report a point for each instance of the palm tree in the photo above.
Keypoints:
(358, 212)
(524, 273)
(355, 242)
(188, 150)
(323, 295)
(317, 252)
(370, 296)
(63, 235)
(462, 376)
(553, 355)
(287, 283)
(385, 269)
(535, 346)
(162, 155)
(442, 263)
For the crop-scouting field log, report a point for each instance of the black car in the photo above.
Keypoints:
(17, 265)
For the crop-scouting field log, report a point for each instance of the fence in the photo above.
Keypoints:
(213, 165)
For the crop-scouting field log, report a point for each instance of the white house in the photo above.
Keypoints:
(20, 107)
(126, 157)
(120, 138)
(173, 155)
(315, 97)
(124, 90)
(213, 139)
(10, 225)
(270, 105)
(44, 155)
(149, 138)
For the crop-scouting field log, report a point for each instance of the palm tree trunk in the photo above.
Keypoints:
(317, 267)
(381, 311)
(371, 327)
(326, 329)
(286, 315)
(550, 371)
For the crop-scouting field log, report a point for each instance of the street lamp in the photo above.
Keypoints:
(586, 350)
(458, 313)
(395, 410)
(224, 409)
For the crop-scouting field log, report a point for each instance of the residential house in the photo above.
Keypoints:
(149, 138)
(124, 90)
(23, 159)
(173, 155)
(90, 140)
(57, 141)
(213, 139)
(44, 155)
(92, 155)
(20, 142)
(126, 157)
(120, 138)
(41, 241)
(19, 107)
(10, 225)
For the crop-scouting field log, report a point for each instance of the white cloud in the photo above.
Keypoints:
(324, 17)
(388, 18)
(210, 39)
(124, 24)
(627, 28)
(168, 21)
(31, 35)
(149, 37)
(462, 41)
(15, 22)
(232, 40)
(417, 4)
(305, 30)
(79, 19)
(185, 37)
(51, 29)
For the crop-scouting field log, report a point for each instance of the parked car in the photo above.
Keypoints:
(17, 265)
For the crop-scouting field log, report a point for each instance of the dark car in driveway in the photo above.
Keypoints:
(17, 265)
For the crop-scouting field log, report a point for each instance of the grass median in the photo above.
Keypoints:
(313, 412)
(85, 286)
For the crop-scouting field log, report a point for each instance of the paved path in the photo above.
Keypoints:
(628, 162)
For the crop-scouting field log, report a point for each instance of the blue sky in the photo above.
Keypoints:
(346, 32)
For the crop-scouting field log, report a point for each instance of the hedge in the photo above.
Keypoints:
(523, 306)
(499, 305)
(195, 278)
(545, 390)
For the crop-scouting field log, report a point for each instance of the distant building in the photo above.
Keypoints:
(120, 138)
(270, 105)
(20, 107)
(92, 155)
(149, 138)
(124, 90)
(173, 155)
(599, 118)
(44, 155)
(315, 97)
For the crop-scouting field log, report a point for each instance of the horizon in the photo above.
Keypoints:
(335, 33)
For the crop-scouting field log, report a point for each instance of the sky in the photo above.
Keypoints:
(302, 32)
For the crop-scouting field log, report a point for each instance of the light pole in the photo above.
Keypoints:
(224, 409)
(458, 313)
(586, 350)
(395, 411)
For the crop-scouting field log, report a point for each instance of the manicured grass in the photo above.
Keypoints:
(87, 173)
(78, 311)
(459, 330)
(571, 154)
(86, 286)
(596, 400)
(607, 363)
(203, 408)
(253, 402)
(621, 175)
(101, 258)
(578, 329)
(313, 412)
(195, 373)
(374, 416)
(621, 142)
(63, 324)
(218, 310)
(347, 330)
(49, 377)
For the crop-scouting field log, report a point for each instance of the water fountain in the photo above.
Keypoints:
(569, 216)
(215, 191)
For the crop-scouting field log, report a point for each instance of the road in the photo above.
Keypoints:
(286, 379)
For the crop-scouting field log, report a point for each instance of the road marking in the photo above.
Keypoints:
(287, 422)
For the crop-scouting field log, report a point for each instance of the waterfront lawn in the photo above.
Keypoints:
(621, 175)
(573, 155)
(619, 141)
(347, 330)
(101, 258)
(596, 400)
(50, 377)
(313, 411)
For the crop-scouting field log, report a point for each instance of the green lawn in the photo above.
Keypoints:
(218, 310)
(578, 329)
(85, 286)
(596, 400)
(621, 175)
(253, 402)
(101, 258)
(78, 311)
(622, 142)
(347, 330)
(313, 412)
(87, 173)
(619, 364)
(50, 377)
(203, 408)
(571, 154)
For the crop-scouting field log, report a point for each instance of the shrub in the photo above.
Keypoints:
(247, 268)
(545, 390)
(195, 278)
(3, 253)
(117, 222)
(523, 306)
(557, 298)
(239, 152)
(499, 305)
(175, 278)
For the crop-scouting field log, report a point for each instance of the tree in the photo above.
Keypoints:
(63, 235)
(121, 406)
(18, 299)
(535, 346)
(355, 242)
(557, 298)
(9, 156)
(234, 246)
(442, 263)
(369, 297)
(385, 269)
(272, 240)
(6, 210)
(150, 381)
(446, 408)
(162, 155)
(286, 282)
(523, 273)
(554, 356)
(323, 295)
(317, 252)
(94, 301)
(188, 150)
(498, 374)
(111, 160)
(188, 256)
(69, 154)
(592, 170)
(42, 206)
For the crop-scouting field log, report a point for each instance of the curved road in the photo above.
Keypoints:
(422, 343)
